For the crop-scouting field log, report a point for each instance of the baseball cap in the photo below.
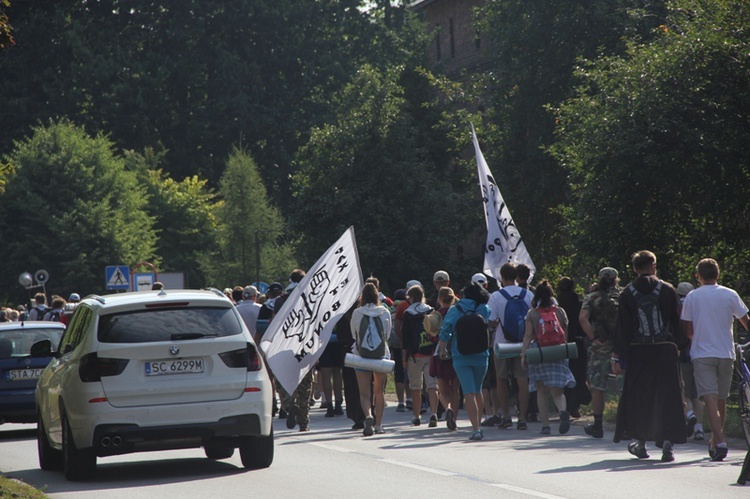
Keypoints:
(608, 272)
(441, 275)
(479, 277)
(275, 286)
(684, 288)
(74, 297)
(413, 282)
(250, 291)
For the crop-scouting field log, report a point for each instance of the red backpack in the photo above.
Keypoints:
(549, 330)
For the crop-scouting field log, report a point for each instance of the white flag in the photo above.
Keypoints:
(300, 331)
(504, 243)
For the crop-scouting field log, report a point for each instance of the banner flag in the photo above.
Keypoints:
(297, 335)
(504, 243)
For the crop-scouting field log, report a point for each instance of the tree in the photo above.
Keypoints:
(184, 216)
(655, 143)
(247, 220)
(379, 167)
(70, 208)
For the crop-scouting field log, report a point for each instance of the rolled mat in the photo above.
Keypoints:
(507, 350)
(379, 365)
(535, 355)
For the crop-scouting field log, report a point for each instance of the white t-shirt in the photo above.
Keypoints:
(497, 308)
(249, 311)
(712, 309)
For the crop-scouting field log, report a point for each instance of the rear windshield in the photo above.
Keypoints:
(168, 324)
(17, 342)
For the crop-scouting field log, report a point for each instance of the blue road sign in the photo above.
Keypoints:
(118, 277)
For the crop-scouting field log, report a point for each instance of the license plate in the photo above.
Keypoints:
(179, 366)
(24, 374)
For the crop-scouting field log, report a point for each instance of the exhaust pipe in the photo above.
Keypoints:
(106, 442)
(117, 440)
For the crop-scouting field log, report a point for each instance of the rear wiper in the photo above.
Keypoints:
(191, 336)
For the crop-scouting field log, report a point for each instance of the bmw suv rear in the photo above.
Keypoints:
(151, 370)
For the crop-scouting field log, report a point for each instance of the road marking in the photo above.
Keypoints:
(418, 467)
(330, 447)
(529, 492)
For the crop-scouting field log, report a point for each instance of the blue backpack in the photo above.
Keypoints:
(516, 309)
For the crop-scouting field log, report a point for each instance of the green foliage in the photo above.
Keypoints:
(247, 220)
(183, 214)
(71, 208)
(379, 167)
(655, 146)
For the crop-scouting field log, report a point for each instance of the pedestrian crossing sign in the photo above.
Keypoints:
(118, 277)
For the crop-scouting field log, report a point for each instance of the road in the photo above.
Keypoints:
(333, 461)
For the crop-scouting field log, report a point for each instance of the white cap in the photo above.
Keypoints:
(413, 282)
(479, 277)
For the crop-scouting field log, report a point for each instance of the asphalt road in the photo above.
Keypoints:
(334, 461)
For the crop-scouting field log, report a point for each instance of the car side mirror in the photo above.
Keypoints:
(41, 348)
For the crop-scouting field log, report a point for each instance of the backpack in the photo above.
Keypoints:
(515, 314)
(604, 314)
(472, 332)
(41, 312)
(414, 338)
(371, 338)
(549, 331)
(54, 315)
(264, 318)
(649, 317)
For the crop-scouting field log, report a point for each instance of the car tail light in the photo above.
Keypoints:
(244, 357)
(92, 368)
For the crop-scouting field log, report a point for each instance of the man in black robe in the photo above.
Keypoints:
(646, 348)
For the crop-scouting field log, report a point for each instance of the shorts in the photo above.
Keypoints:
(599, 366)
(442, 369)
(505, 367)
(688, 380)
(713, 376)
(470, 375)
(419, 373)
(490, 379)
(398, 372)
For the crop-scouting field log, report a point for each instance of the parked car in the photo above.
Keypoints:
(20, 369)
(154, 370)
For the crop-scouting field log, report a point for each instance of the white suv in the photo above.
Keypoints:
(152, 370)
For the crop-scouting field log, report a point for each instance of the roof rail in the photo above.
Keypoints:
(97, 298)
(217, 291)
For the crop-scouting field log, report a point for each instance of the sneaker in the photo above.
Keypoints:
(401, 408)
(593, 430)
(338, 411)
(691, 422)
(282, 414)
(423, 410)
(450, 419)
(638, 450)
(415, 421)
(564, 422)
(304, 427)
(698, 435)
(379, 430)
(369, 422)
(477, 435)
(358, 425)
(409, 405)
(545, 430)
(433, 421)
(506, 423)
(532, 417)
(291, 417)
(720, 452)
(491, 420)
(521, 425)
(667, 455)
(329, 412)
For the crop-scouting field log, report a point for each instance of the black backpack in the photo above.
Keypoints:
(650, 321)
(472, 332)
(414, 338)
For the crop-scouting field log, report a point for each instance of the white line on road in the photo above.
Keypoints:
(529, 492)
(418, 467)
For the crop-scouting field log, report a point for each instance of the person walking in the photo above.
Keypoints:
(372, 323)
(469, 367)
(646, 349)
(708, 315)
(546, 318)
